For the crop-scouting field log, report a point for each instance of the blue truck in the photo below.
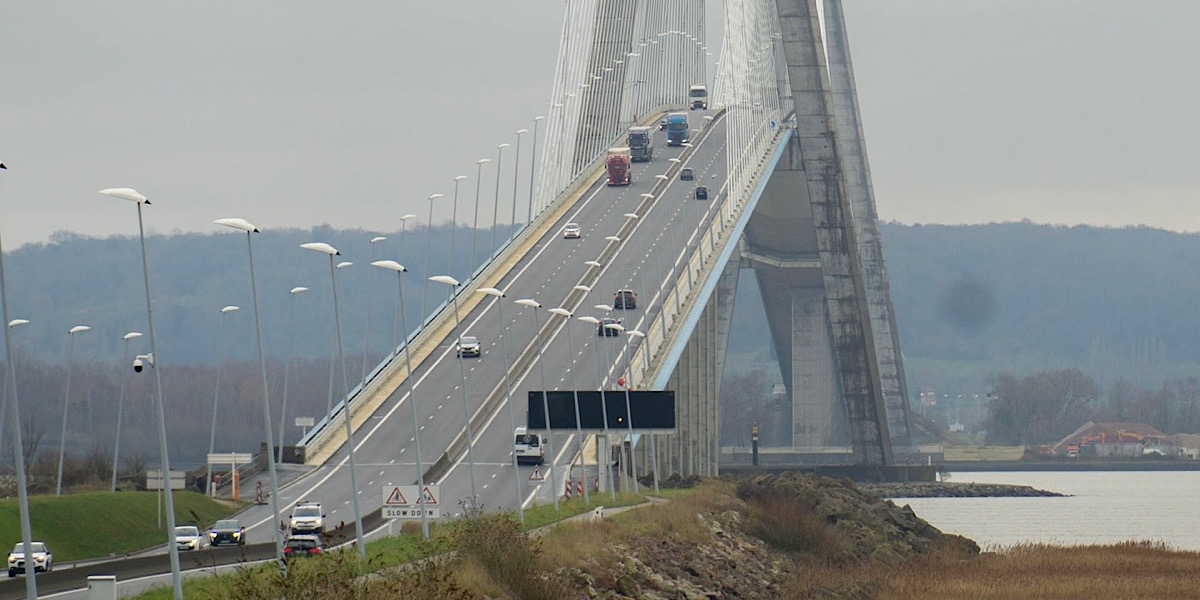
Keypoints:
(677, 128)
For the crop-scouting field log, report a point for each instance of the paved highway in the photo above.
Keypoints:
(384, 449)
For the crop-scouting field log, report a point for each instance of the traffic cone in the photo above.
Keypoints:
(579, 487)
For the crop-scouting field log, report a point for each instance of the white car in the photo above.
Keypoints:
(187, 537)
(43, 560)
(308, 518)
(572, 231)
(467, 345)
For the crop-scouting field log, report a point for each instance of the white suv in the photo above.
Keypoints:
(308, 517)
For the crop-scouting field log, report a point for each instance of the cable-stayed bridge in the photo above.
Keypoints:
(780, 149)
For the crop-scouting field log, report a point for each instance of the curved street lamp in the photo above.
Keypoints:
(566, 314)
(516, 165)
(532, 180)
(62, 440)
(453, 224)
(633, 333)
(287, 362)
(212, 435)
(132, 335)
(628, 417)
(612, 490)
(132, 195)
(399, 269)
(367, 326)
(428, 253)
(4, 403)
(452, 283)
(533, 304)
(268, 436)
(512, 422)
(330, 251)
(475, 226)
(496, 201)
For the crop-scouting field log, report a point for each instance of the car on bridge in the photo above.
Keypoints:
(624, 299)
(227, 531)
(468, 345)
(43, 560)
(187, 537)
(300, 545)
(604, 331)
(572, 231)
(701, 192)
(687, 174)
(308, 517)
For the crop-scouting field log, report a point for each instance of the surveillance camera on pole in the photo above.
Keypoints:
(141, 360)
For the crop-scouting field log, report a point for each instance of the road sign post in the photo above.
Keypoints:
(304, 423)
(407, 501)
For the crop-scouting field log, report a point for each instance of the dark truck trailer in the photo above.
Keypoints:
(641, 145)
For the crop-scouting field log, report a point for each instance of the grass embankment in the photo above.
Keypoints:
(93, 525)
(430, 580)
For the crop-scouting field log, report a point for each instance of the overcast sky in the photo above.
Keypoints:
(293, 114)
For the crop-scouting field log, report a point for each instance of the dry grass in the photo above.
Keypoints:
(1127, 571)
(787, 526)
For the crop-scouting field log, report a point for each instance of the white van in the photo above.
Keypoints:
(530, 448)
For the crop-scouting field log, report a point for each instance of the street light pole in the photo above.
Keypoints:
(608, 362)
(367, 326)
(287, 362)
(516, 165)
(475, 226)
(530, 303)
(529, 216)
(250, 229)
(628, 418)
(566, 314)
(496, 201)
(645, 355)
(452, 283)
(212, 436)
(4, 403)
(337, 327)
(428, 252)
(453, 224)
(62, 440)
(18, 448)
(403, 229)
(168, 495)
(612, 490)
(408, 378)
(512, 421)
(124, 364)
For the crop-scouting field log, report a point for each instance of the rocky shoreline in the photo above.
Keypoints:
(941, 489)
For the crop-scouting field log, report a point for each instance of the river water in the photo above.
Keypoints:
(1103, 508)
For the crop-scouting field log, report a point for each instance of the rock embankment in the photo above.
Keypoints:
(754, 537)
(940, 489)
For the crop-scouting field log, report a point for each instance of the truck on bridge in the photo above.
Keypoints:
(677, 128)
(640, 144)
(617, 164)
(698, 97)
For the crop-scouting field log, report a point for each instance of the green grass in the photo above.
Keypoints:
(390, 551)
(93, 525)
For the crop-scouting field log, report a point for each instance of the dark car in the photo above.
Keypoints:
(687, 174)
(603, 331)
(303, 545)
(624, 299)
(227, 531)
(701, 192)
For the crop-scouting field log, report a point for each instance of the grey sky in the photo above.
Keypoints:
(293, 114)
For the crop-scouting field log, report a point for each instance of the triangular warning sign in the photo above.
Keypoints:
(429, 499)
(396, 498)
(536, 475)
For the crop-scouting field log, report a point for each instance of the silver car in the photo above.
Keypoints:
(467, 345)
(572, 231)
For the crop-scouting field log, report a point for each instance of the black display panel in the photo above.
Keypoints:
(653, 411)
